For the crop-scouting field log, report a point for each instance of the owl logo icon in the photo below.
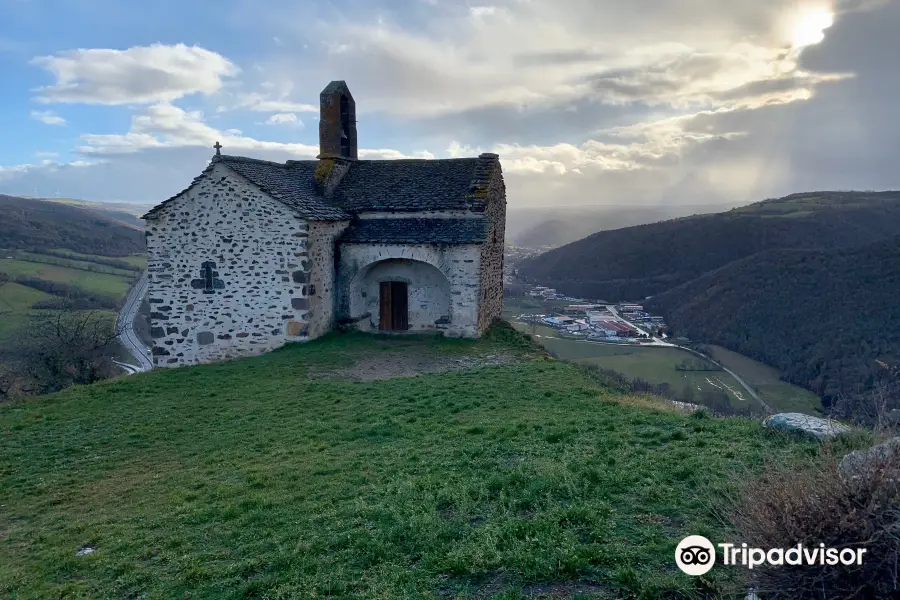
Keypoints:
(695, 555)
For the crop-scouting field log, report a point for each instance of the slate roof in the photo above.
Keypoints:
(369, 185)
(417, 231)
(290, 183)
(406, 185)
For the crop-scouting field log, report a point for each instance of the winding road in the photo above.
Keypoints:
(125, 324)
(658, 342)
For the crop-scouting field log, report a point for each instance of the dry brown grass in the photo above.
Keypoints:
(816, 505)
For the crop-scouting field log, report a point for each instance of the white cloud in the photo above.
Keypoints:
(387, 154)
(532, 56)
(142, 74)
(262, 103)
(47, 117)
(285, 119)
(164, 126)
(482, 11)
(662, 101)
(12, 172)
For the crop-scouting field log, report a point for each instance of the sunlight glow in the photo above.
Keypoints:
(810, 29)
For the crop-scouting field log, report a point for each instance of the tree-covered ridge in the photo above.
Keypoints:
(636, 262)
(34, 224)
(824, 318)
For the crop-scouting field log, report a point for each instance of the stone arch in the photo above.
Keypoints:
(429, 294)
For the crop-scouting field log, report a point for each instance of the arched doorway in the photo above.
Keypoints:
(400, 294)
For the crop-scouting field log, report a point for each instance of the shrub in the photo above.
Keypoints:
(816, 505)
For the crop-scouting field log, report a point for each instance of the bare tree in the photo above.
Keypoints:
(878, 407)
(67, 347)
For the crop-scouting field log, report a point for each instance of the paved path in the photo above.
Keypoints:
(125, 324)
(744, 385)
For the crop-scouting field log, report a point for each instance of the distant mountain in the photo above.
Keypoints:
(126, 213)
(646, 260)
(27, 223)
(821, 317)
(550, 228)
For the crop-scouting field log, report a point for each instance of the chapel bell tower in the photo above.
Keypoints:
(337, 122)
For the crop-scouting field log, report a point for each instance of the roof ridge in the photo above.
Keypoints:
(227, 158)
(406, 159)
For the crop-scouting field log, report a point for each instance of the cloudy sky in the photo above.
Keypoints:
(587, 101)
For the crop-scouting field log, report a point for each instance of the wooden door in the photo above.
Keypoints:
(385, 322)
(393, 306)
(400, 306)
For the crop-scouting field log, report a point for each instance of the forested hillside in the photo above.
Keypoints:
(557, 226)
(822, 317)
(28, 224)
(641, 261)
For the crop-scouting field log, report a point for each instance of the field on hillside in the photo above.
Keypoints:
(296, 474)
(138, 260)
(657, 365)
(81, 270)
(767, 383)
(74, 263)
(15, 309)
(100, 283)
(654, 365)
(15, 306)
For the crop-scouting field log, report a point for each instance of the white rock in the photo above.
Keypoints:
(85, 551)
(815, 427)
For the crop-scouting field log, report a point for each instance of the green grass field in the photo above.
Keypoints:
(268, 478)
(73, 263)
(100, 283)
(15, 306)
(765, 380)
(655, 365)
(138, 260)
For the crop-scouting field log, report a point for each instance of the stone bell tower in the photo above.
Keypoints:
(337, 122)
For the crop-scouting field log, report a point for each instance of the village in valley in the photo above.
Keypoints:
(625, 323)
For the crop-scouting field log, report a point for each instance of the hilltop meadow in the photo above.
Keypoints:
(496, 472)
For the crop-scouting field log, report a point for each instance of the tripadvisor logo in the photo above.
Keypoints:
(696, 555)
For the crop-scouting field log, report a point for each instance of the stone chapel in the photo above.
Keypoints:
(255, 254)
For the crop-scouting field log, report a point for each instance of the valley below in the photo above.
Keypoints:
(804, 286)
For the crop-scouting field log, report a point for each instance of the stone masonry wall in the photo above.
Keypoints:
(228, 271)
(362, 266)
(321, 291)
(492, 252)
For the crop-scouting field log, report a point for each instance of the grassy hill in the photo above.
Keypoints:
(64, 248)
(28, 224)
(821, 317)
(308, 473)
(636, 262)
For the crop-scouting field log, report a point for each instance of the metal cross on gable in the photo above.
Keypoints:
(218, 148)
